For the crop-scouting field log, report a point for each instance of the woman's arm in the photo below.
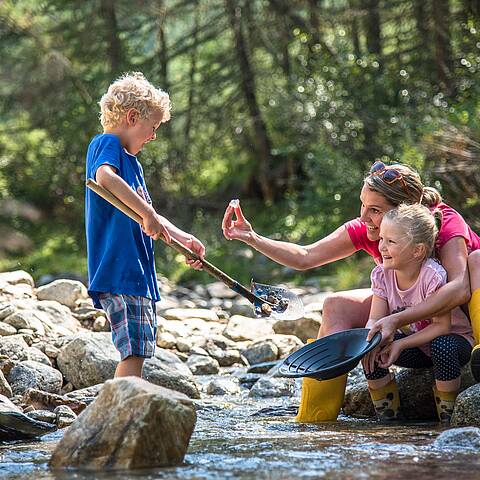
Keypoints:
(333, 247)
(455, 292)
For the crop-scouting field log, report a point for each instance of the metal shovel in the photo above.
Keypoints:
(268, 301)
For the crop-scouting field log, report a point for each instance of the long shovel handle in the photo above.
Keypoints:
(176, 245)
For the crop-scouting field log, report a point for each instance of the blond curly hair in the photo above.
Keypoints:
(132, 90)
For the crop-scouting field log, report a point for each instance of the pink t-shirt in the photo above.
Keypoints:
(453, 225)
(432, 277)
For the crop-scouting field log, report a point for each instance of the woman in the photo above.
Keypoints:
(384, 188)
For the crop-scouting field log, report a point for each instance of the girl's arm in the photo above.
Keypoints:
(333, 247)
(440, 326)
(378, 310)
(455, 292)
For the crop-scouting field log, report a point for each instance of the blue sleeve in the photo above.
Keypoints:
(106, 151)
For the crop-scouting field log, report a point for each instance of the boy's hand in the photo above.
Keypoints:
(389, 354)
(196, 246)
(154, 227)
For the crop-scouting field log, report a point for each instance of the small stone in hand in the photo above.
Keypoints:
(266, 309)
(234, 203)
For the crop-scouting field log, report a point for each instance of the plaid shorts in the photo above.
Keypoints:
(134, 323)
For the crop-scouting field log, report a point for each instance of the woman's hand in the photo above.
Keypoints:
(390, 353)
(387, 326)
(238, 229)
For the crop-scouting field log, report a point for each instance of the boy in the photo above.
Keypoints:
(121, 268)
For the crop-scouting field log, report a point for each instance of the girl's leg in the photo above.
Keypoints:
(449, 354)
(474, 310)
(322, 400)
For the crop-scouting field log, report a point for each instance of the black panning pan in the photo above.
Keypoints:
(330, 356)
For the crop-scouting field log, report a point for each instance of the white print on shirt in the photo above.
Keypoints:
(144, 194)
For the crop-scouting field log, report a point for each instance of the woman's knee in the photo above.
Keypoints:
(341, 312)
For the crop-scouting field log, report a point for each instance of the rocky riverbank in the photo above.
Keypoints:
(56, 352)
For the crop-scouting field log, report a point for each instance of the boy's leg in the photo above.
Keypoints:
(449, 354)
(130, 367)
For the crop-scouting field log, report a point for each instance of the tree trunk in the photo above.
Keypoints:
(372, 27)
(114, 49)
(247, 83)
(443, 49)
(354, 29)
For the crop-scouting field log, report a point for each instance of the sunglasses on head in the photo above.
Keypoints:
(388, 174)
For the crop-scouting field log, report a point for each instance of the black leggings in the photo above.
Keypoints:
(449, 354)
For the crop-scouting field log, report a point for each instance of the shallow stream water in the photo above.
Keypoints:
(232, 441)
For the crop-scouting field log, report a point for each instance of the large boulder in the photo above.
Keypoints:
(66, 292)
(303, 328)
(132, 424)
(31, 374)
(467, 407)
(241, 328)
(16, 348)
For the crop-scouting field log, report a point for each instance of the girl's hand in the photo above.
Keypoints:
(370, 359)
(196, 246)
(389, 354)
(238, 229)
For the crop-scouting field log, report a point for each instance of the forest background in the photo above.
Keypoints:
(282, 103)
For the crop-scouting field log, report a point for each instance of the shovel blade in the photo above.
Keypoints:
(286, 304)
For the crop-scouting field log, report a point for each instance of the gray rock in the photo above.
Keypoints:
(6, 309)
(88, 359)
(30, 319)
(6, 329)
(459, 438)
(66, 292)
(222, 386)
(189, 313)
(132, 424)
(243, 328)
(17, 277)
(261, 351)
(272, 387)
(203, 365)
(43, 416)
(30, 374)
(303, 328)
(5, 388)
(64, 416)
(467, 407)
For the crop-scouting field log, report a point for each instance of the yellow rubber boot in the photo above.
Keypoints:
(386, 401)
(474, 311)
(321, 399)
(445, 403)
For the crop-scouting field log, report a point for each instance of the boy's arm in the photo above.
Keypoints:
(153, 224)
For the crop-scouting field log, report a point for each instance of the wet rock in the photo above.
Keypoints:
(203, 365)
(31, 374)
(43, 416)
(357, 401)
(84, 395)
(260, 351)
(303, 328)
(467, 407)
(167, 370)
(243, 328)
(64, 416)
(225, 358)
(459, 438)
(6, 329)
(222, 386)
(66, 292)
(272, 387)
(262, 367)
(132, 424)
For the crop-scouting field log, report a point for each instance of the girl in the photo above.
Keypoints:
(407, 277)
(384, 188)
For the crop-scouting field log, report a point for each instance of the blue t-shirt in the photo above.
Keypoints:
(120, 255)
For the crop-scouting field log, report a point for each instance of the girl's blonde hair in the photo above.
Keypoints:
(419, 223)
(132, 90)
(407, 189)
